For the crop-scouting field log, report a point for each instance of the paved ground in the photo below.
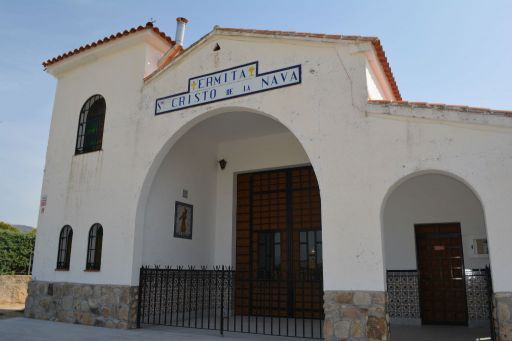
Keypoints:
(438, 333)
(22, 329)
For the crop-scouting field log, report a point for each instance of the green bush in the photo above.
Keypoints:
(16, 251)
(7, 227)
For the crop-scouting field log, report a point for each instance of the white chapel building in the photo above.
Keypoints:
(267, 182)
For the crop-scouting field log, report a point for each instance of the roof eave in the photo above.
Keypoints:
(330, 38)
(109, 39)
(92, 54)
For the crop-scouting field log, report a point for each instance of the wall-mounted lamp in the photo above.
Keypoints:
(222, 164)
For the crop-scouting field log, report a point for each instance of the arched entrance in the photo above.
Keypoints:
(436, 255)
(233, 211)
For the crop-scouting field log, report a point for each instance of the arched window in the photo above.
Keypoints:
(64, 252)
(90, 125)
(94, 247)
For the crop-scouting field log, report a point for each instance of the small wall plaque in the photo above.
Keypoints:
(183, 214)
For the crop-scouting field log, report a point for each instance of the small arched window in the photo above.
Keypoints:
(64, 252)
(94, 247)
(90, 125)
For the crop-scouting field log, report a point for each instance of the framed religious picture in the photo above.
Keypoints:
(183, 220)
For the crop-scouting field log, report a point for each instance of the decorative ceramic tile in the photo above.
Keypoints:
(477, 294)
(403, 294)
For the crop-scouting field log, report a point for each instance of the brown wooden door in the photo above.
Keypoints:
(278, 244)
(441, 269)
(306, 241)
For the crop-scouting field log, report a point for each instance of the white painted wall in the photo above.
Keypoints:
(374, 90)
(192, 165)
(467, 145)
(261, 153)
(430, 198)
(94, 187)
(359, 151)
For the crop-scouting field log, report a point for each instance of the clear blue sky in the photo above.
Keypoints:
(456, 52)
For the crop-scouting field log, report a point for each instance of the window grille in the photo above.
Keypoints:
(269, 260)
(94, 247)
(310, 253)
(90, 125)
(64, 252)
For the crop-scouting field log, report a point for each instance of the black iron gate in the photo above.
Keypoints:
(490, 297)
(218, 299)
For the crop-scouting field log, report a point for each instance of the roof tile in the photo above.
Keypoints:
(148, 25)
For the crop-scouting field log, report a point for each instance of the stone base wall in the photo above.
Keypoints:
(113, 306)
(503, 315)
(13, 289)
(355, 315)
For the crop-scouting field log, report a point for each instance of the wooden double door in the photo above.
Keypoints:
(279, 244)
(442, 276)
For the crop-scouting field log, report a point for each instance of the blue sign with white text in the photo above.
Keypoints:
(229, 83)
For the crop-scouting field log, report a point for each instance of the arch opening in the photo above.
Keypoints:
(190, 173)
(435, 253)
(237, 189)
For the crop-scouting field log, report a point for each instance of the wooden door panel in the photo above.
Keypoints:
(285, 202)
(441, 267)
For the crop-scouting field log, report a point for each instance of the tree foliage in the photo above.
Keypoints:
(16, 250)
(7, 227)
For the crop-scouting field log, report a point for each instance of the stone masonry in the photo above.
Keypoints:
(503, 315)
(355, 315)
(113, 306)
(13, 289)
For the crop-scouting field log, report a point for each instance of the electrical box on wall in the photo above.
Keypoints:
(478, 246)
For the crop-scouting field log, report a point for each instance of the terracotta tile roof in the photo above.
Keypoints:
(374, 40)
(148, 25)
(442, 106)
(381, 55)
